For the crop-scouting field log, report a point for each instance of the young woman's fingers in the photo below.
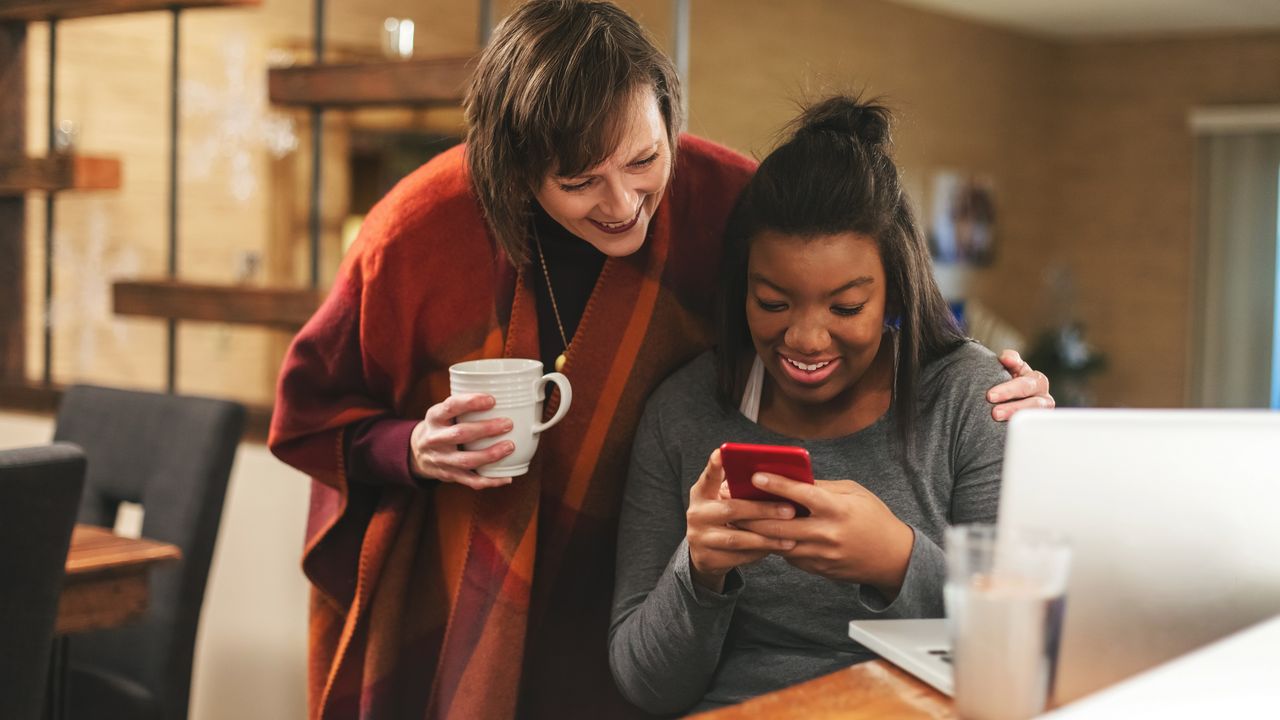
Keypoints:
(794, 490)
(708, 485)
(799, 530)
(734, 540)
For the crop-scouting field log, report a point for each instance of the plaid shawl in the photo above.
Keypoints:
(448, 602)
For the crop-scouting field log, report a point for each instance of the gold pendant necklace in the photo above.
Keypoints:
(560, 359)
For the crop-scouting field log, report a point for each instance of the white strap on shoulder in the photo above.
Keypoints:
(750, 407)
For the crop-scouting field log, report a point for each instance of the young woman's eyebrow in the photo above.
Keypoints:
(855, 283)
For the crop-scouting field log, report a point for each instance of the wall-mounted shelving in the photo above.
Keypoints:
(38, 10)
(280, 308)
(58, 173)
(421, 82)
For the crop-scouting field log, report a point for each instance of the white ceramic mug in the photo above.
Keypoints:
(519, 388)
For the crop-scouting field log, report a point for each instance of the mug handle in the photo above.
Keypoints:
(566, 397)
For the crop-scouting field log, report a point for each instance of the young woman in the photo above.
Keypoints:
(834, 337)
(577, 222)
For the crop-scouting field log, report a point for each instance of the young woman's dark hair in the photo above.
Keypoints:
(834, 174)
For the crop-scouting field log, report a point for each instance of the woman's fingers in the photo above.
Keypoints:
(443, 413)
(476, 481)
(463, 433)
(472, 459)
(1028, 389)
(1004, 411)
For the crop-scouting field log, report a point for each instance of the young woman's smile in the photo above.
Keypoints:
(816, 309)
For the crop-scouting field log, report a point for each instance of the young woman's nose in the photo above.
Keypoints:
(807, 336)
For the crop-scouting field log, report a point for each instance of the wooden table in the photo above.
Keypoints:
(105, 586)
(106, 582)
(873, 689)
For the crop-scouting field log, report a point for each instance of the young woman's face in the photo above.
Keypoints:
(815, 309)
(610, 205)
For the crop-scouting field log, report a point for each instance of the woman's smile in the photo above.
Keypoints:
(617, 228)
(611, 205)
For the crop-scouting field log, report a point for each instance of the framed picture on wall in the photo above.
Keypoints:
(962, 220)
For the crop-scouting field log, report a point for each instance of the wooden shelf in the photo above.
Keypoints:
(32, 398)
(280, 308)
(36, 10)
(427, 81)
(59, 172)
(44, 400)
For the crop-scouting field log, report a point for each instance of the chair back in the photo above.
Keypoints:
(39, 492)
(172, 455)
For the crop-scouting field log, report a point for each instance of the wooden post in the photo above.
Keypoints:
(13, 109)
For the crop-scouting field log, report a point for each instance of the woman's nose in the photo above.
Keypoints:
(619, 201)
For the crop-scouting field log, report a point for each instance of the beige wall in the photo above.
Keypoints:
(1123, 189)
(1086, 142)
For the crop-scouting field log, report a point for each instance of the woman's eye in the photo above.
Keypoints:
(575, 187)
(771, 306)
(645, 162)
(847, 310)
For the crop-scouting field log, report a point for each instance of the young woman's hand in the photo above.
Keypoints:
(850, 534)
(435, 444)
(717, 542)
(1028, 389)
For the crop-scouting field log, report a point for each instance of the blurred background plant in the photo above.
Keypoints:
(1061, 350)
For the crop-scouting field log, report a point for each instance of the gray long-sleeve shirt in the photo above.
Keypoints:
(674, 646)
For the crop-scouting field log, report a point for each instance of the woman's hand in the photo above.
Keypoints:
(717, 544)
(850, 534)
(1028, 388)
(434, 445)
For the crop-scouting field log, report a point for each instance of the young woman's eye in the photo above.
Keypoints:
(847, 310)
(767, 306)
(575, 187)
(645, 162)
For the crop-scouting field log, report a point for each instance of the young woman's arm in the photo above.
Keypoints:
(666, 631)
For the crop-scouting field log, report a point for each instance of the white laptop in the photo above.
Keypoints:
(1174, 521)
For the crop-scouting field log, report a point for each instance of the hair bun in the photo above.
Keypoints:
(848, 116)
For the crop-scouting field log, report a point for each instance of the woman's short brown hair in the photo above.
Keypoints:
(550, 94)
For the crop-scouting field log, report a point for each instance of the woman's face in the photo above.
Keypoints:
(610, 205)
(815, 309)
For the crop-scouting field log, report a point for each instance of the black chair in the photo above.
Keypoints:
(172, 455)
(39, 492)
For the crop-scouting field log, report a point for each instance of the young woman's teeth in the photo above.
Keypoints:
(808, 368)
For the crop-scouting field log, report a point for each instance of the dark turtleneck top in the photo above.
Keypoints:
(574, 266)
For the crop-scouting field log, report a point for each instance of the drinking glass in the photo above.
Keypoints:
(1005, 596)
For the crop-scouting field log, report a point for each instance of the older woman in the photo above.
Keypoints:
(576, 227)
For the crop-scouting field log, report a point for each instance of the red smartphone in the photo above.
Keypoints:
(741, 461)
